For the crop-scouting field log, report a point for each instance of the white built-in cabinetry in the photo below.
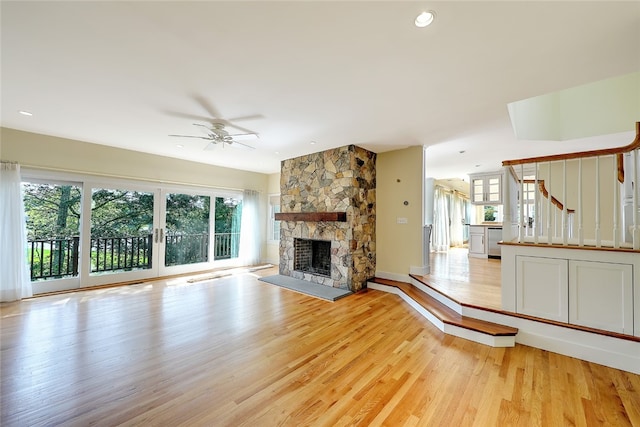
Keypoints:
(591, 288)
(477, 241)
(486, 189)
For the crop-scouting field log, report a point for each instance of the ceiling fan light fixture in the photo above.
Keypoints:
(425, 19)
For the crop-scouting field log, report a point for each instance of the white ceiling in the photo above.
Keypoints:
(128, 74)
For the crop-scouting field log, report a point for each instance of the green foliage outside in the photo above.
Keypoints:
(53, 212)
(489, 213)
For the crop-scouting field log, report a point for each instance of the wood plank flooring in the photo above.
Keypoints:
(238, 352)
(474, 281)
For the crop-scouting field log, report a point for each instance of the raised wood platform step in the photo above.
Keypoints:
(447, 319)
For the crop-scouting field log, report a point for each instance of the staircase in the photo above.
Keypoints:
(446, 313)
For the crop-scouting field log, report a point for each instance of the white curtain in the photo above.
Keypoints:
(457, 220)
(15, 282)
(250, 229)
(440, 240)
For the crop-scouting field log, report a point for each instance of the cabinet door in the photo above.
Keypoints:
(542, 287)
(493, 189)
(601, 295)
(477, 190)
(476, 243)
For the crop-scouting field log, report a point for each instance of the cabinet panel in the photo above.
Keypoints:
(476, 244)
(486, 189)
(601, 295)
(542, 287)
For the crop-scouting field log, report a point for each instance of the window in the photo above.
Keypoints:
(274, 226)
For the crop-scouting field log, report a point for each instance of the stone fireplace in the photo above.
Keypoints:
(328, 203)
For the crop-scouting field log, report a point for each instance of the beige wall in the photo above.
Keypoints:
(59, 154)
(399, 179)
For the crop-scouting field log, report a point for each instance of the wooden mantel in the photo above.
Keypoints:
(311, 216)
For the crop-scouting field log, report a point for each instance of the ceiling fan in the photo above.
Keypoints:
(217, 134)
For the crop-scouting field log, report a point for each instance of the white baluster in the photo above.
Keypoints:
(565, 232)
(537, 217)
(598, 202)
(580, 210)
(549, 234)
(616, 201)
(635, 196)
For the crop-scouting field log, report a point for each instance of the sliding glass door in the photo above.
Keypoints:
(90, 233)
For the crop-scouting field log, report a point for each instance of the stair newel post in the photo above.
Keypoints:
(565, 222)
(509, 203)
(616, 200)
(598, 241)
(521, 218)
(580, 229)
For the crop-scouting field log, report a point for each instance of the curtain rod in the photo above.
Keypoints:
(126, 177)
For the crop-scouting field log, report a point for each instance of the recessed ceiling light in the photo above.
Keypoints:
(25, 113)
(313, 143)
(277, 152)
(425, 18)
(179, 145)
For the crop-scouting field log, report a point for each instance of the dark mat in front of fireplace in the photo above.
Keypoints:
(313, 289)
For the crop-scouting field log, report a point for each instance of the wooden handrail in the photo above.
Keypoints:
(635, 144)
(557, 203)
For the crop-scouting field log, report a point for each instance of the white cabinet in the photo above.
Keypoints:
(486, 189)
(477, 241)
(601, 295)
(586, 293)
(542, 287)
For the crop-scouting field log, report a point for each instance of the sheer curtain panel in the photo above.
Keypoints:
(441, 238)
(15, 281)
(250, 228)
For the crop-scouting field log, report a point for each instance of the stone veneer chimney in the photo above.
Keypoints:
(338, 180)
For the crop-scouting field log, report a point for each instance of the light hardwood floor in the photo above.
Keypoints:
(473, 281)
(235, 351)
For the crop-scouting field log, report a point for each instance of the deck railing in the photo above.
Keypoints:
(588, 198)
(53, 258)
(59, 257)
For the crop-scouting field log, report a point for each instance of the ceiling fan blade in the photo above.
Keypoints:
(248, 117)
(208, 107)
(244, 135)
(240, 143)
(192, 136)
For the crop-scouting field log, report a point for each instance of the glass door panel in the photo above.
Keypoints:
(187, 229)
(227, 228)
(123, 239)
(53, 234)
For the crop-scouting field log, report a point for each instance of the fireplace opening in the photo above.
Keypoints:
(312, 256)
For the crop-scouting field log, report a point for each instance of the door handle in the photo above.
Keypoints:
(161, 235)
(155, 235)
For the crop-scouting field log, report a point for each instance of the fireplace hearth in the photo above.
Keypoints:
(312, 256)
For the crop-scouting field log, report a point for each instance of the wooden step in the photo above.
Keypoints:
(446, 314)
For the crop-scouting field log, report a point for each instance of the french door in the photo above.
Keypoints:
(90, 233)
